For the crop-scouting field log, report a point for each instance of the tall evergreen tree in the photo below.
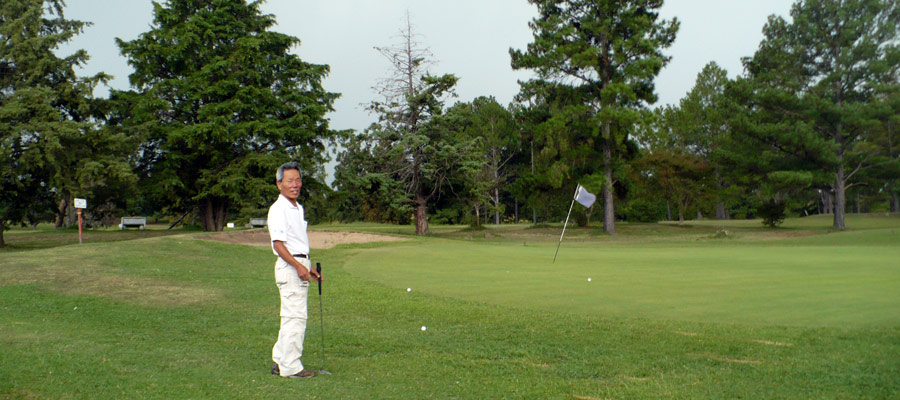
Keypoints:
(607, 53)
(412, 147)
(44, 109)
(811, 86)
(221, 102)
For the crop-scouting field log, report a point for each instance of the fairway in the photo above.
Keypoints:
(840, 279)
(668, 313)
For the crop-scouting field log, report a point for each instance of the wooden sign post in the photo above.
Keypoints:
(79, 205)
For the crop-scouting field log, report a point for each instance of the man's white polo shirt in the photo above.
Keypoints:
(287, 224)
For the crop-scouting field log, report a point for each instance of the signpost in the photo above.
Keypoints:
(79, 205)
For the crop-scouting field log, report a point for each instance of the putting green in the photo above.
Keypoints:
(829, 280)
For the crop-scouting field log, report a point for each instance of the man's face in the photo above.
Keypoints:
(290, 184)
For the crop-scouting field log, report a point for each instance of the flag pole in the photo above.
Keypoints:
(566, 223)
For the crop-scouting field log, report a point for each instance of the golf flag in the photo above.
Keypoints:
(585, 198)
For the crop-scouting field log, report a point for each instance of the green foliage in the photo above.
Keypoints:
(812, 88)
(682, 178)
(220, 103)
(50, 147)
(494, 140)
(772, 213)
(644, 210)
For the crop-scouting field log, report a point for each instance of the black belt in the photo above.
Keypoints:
(301, 256)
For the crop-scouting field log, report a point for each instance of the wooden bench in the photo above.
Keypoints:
(133, 222)
(257, 223)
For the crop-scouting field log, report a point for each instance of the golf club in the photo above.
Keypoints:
(321, 319)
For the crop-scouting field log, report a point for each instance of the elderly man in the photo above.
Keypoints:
(287, 230)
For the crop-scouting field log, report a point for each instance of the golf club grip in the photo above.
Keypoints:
(319, 270)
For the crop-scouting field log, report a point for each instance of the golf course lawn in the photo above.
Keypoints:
(803, 281)
(669, 312)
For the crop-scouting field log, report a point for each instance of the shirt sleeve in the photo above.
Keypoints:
(277, 224)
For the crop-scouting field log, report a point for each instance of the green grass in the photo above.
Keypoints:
(46, 236)
(177, 317)
(837, 280)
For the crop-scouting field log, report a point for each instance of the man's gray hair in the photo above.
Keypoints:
(279, 175)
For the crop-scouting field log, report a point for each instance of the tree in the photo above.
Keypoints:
(702, 120)
(220, 102)
(495, 130)
(44, 109)
(886, 138)
(683, 177)
(810, 88)
(606, 53)
(365, 192)
(675, 160)
(412, 146)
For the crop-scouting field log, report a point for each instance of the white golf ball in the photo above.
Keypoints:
(409, 289)
(589, 279)
(423, 327)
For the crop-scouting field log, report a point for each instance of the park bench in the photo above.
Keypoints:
(257, 223)
(133, 222)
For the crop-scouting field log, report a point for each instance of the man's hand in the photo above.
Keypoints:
(303, 273)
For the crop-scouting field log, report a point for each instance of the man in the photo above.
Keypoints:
(287, 230)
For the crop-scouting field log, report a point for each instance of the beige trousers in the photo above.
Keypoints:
(289, 347)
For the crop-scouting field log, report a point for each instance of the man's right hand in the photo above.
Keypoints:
(303, 273)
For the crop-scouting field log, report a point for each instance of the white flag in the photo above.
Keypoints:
(585, 198)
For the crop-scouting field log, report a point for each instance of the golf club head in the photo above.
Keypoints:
(323, 372)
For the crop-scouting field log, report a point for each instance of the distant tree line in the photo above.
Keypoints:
(218, 101)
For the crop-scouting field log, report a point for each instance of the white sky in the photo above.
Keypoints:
(469, 38)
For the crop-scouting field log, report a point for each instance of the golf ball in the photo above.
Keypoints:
(423, 327)
(409, 289)
(589, 279)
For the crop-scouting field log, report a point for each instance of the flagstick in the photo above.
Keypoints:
(564, 225)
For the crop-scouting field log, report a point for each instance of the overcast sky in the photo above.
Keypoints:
(469, 38)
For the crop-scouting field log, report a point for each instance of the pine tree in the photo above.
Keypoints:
(603, 57)
(812, 85)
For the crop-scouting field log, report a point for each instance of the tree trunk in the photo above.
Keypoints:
(720, 211)
(839, 198)
(895, 202)
(2, 242)
(699, 215)
(422, 216)
(609, 211)
(477, 209)
(827, 202)
(221, 209)
(61, 212)
(668, 211)
(212, 213)
(497, 206)
(517, 210)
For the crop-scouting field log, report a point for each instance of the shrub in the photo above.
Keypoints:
(772, 213)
